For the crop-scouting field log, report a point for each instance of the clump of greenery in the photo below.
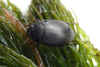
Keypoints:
(15, 51)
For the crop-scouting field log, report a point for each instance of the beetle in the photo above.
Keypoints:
(51, 32)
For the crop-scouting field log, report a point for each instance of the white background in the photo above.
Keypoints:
(87, 11)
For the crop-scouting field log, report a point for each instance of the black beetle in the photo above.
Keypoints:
(51, 32)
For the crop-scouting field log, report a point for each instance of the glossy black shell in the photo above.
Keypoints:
(51, 32)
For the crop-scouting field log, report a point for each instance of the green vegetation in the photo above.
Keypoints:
(16, 52)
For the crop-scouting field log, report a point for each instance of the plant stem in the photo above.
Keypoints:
(20, 28)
